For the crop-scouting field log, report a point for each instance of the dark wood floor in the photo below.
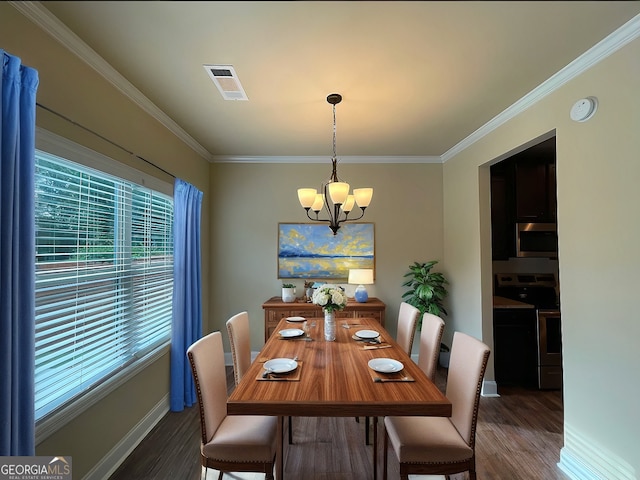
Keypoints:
(519, 436)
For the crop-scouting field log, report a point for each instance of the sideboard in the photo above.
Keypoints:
(275, 309)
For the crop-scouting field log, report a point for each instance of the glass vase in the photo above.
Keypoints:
(329, 326)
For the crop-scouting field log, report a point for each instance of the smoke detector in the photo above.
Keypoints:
(226, 79)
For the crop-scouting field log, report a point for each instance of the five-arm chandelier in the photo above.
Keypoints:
(334, 195)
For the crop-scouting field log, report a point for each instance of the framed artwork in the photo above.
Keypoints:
(310, 250)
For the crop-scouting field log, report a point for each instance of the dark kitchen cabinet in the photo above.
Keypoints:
(535, 190)
(523, 190)
(515, 347)
(503, 232)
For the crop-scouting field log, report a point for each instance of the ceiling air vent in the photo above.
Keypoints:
(225, 78)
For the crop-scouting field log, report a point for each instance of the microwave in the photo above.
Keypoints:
(537, 240)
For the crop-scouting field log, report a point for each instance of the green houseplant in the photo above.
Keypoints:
(426, 292)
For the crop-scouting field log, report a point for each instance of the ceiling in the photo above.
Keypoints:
(416, 77)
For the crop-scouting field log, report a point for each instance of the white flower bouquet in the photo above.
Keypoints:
(330, 297)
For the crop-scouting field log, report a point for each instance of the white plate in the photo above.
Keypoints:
(385, 365)
(280, 365)
(367, 334)
(295, 319)
(291, 332)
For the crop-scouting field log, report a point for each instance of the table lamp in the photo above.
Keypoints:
(361, 277)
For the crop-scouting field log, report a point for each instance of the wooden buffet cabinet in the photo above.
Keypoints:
(275, 309)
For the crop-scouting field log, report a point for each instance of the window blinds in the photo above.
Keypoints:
(104, 277)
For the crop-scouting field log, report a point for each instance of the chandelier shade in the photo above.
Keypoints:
(334, 195)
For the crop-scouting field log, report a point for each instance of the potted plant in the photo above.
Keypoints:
(426, 293)
(288, 292)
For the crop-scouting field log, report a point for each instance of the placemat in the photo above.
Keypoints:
(282, 377)
(400, 376)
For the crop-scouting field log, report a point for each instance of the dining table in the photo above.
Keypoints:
(362, 373)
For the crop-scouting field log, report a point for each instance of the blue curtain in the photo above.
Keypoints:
(17, 256)
(187, 291)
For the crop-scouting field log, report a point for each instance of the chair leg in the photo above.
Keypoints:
(385, 448)
(366, 430)
(290, 432)
(220, 475)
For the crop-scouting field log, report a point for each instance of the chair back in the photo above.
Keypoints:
(239, 337)
(206, 357)
(430, 338)
(407, 319)
(467, 364)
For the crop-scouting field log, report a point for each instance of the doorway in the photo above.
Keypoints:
(525, 276)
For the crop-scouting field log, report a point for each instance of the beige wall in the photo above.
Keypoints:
(248, 201)
(69, 86)
(598, 197)
(421, 212)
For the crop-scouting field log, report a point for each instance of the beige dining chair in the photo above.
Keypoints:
(240, 341)
(430, 338)
(230, 443)
(405, 331)
(443, 445)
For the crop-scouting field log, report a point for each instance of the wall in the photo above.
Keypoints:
(69, 86)
(248, 201)
(598, 198)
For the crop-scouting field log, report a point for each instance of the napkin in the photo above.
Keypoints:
(400, 376)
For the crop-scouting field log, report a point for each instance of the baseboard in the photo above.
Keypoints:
(118, 454)
(489, 389)
(583, 459)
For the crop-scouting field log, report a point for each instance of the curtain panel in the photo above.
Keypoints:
(187, 291)
(17, 256)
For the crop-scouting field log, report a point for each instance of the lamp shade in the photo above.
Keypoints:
(363, 196)
(338, 191)
(306, 196)
(361, 276)
(348, 205)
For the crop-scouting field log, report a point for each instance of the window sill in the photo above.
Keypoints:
(52, 423)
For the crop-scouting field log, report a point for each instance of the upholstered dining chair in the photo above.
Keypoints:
(405, 331)
(240, 340)
(430, 338)
(230, 443)
(443, 445)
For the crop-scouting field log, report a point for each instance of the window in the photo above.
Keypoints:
(104, 278)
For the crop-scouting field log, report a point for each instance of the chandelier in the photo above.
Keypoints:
(334, 196)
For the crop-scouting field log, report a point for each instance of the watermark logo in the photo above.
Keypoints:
(35, 468)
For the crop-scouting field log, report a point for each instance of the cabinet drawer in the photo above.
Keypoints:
(275, 310)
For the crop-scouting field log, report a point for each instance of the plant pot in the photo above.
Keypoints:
(444, 359)
(288, 295)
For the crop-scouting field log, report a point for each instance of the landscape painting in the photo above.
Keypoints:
(311, 251)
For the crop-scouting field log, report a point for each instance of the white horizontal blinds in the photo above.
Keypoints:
(104, 277)
(152, 267)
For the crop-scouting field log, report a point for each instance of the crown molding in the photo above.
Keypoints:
(610, 44)
(39, 15)
(48, 22)
(396, 159)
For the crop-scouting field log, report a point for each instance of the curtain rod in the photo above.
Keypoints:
(103, 138)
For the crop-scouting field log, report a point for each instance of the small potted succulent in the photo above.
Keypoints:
(288, 292)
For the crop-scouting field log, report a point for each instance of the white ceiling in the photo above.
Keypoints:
(417, 78)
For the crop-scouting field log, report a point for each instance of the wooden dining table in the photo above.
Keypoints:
(333, 379)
